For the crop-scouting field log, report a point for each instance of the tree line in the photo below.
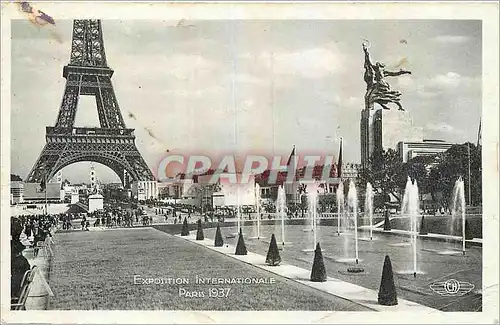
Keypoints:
(435, 175)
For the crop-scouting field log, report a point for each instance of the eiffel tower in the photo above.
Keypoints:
(112, 144)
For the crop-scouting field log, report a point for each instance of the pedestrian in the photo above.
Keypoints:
(18, 267)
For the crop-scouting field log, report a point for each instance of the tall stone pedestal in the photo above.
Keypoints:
(382, 129)
(96, 202)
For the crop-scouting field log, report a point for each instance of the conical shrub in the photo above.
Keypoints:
(185, 230)
(273, 255)
(423, 229)
(318, 272)
(219, 242)
(241, 249)
(387, 293)
(199, 231)
(387, 222)
(468, 232)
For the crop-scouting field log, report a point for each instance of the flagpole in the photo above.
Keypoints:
(468, 150)
(46, 209)
(339, 175)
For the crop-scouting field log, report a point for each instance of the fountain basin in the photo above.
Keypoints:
(347, 260)
(405, 244)
(346, 234)
(355, 269)
(409, 272)
(287, 243)
(346, 272)
(308, 250)
(449, 252)
(367, 239)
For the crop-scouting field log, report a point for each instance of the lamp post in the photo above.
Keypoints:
(468, 185)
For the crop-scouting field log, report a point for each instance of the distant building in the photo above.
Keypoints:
(33, 192)
(74, 196)
(409, 150)
(145, 190)
(16, 192)
(184, 191)
(350, 170)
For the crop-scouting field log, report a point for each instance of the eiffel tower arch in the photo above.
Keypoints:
(112, 144)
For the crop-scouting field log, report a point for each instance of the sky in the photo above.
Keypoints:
(248, 86)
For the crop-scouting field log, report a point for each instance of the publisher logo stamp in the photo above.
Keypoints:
(452, 287)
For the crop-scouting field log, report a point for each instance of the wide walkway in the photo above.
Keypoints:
(111, 270)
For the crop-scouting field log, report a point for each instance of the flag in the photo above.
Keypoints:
(339, 164)
(292, 155)
(42, 185)
(479, 135)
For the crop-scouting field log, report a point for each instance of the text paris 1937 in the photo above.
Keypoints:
(215, 292)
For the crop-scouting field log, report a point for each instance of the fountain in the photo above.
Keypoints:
(312, 198)
(238, 212)
(458, 208)
(340, 205)
(369, 206)
(411, 208)
(352, 212)
(308, 222)
(257, 208)
(352, 206)
(280, 210)
(414, 209)
(404, 211)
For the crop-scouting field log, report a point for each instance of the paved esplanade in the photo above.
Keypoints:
(95, 270)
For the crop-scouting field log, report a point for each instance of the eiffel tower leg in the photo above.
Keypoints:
(44, 166)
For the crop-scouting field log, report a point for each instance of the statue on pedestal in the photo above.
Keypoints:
(377, 89)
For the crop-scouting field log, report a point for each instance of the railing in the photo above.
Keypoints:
(82, 205)
(50, 130)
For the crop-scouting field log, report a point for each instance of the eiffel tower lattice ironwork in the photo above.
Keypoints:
(112, 144)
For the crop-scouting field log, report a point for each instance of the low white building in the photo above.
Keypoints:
(75, 197)
(145, 190)
(16, 192)
(409, 150)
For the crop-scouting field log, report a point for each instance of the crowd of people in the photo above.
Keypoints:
(26, 231)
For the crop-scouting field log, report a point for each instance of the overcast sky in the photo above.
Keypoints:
(249, 86)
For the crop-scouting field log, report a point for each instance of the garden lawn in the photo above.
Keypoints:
(95, 270)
